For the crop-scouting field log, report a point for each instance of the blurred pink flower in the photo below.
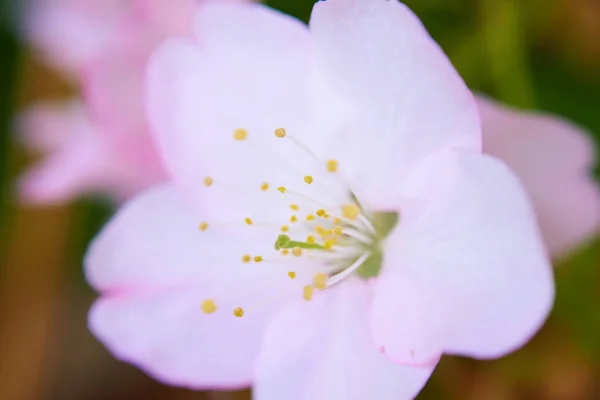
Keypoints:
(83, 159)
(105, 45)
(553, 159)
(354, 149)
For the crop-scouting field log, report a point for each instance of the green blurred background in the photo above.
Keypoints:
(535, 54)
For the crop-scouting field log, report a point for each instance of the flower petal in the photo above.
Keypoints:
(166, 334)
(408, 99)
(250, 72)
(154, 268)
(82, 158)
(154, 241)
(78, 161)
(465, 271)
(553, 159)
(70, 33)
(322, 350)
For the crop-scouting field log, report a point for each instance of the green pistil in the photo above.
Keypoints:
(284, 242)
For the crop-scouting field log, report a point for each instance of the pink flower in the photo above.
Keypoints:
(553, 159)
(82, 158)
(105, 44)
(332, 227)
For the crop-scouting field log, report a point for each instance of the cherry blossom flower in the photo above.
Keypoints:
(103, 144)
(553, 159)
(332, 226)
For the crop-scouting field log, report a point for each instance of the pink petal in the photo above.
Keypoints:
(167, 335)
(465, 272)
(77, 160)
(553, 159)
(323, 350)
(49, 126)
(250, 72)
(113, 87)
(81, 158)
(154, 268)
(70, 33)
(408, 100)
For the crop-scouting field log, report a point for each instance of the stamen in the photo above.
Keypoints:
(337, 278)
(246, 258)
(281, 189)
(292, 274)
(264, 187)
(350, 211)
(208, 181)
(310, 217)
(280, 132)
(310, 239)
(203, 226)
(358, 236)
(308, 179)
(258, 259)
(293, 219)
(328, 245)
(238, 312)
(284, 252)
(285, 228)
(321, 212)
(320, 281)
(248, 221)
(297, 251)
(307, 292)
(332, 165)
(240, 134)
(208, 306)
(294, 207)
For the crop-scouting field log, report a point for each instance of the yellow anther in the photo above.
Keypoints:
(281, 189)
(203, 226)
(285, 228)
(337, 230)
(332, 165)
(208, 181)
(310, 239)
(350, 211)
(320, 230)
(248, 221)
(246, 258)
(258, 259)
(320, 212)
(326, 216)
(264, 187)
(310, 217)
(240, 134)
(308, 179)
(292, 275)
(297, 251)
(238, 312)
(307, 292)
(284, 252)
(208, 306)
(328, 245)
(337, 220)
(293, 219)
(294, 207)
(280, 132)
(320, 281)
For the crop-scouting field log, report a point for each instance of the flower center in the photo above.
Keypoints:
(327, 227)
